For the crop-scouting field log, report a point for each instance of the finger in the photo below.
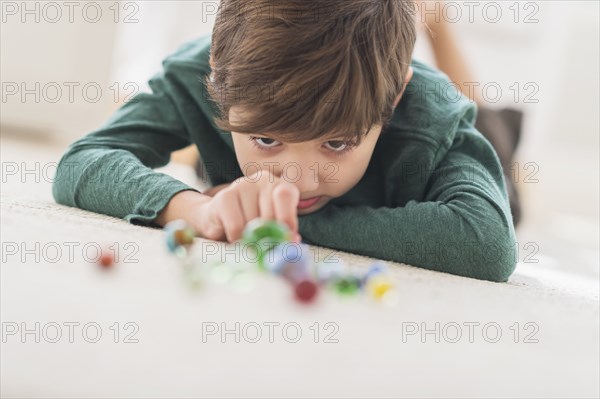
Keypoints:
(265, 202)
(285, 204)
(209, 224)
(249, 199)
(297, 238)
(232, 216)
(216, 231)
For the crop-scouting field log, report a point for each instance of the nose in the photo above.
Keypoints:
(305, 176)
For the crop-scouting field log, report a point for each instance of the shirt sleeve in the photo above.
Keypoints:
(109, 171)
(463, 227)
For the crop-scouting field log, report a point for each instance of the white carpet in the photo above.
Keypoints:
(374, 354)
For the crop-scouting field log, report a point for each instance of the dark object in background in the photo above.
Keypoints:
(503, 130)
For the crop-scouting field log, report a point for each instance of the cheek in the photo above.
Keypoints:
(348, 172)
(243, 150)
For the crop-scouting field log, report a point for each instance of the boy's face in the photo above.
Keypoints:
(320, 169)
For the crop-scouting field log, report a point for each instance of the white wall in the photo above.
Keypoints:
(49, 51)
(163, 26)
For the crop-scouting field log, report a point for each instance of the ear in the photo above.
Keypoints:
(409, 75)
(211, 75)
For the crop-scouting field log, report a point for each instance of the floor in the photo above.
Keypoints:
(536, 335)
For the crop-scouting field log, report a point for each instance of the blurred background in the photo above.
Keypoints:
(66, 67)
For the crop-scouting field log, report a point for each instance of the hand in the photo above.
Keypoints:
(211, 192)
(261, 194)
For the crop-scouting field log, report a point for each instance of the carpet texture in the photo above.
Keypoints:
(450, 336)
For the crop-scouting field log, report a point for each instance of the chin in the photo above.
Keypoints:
(306, 211)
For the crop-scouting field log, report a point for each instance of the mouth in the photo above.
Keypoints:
(308, 202)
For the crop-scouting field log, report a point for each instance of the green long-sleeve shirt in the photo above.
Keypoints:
(433, 194)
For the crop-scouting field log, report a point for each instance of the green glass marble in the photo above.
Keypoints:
(348, 285)
(263, 235)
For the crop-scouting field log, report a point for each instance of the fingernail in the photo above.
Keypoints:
(298, 238)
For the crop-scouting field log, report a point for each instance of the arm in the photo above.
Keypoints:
(110, 170)
(463, 226)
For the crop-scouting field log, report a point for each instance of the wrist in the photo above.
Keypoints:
(181, 206)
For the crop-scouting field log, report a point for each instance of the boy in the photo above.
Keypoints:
(310, 113)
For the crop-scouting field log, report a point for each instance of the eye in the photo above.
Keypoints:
(264, 142)
(339, 146)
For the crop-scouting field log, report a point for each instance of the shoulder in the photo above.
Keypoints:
(191, 55)
(185, 72)
(431, 110)
(431, 117)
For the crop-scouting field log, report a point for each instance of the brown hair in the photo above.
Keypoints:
(309, 69)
